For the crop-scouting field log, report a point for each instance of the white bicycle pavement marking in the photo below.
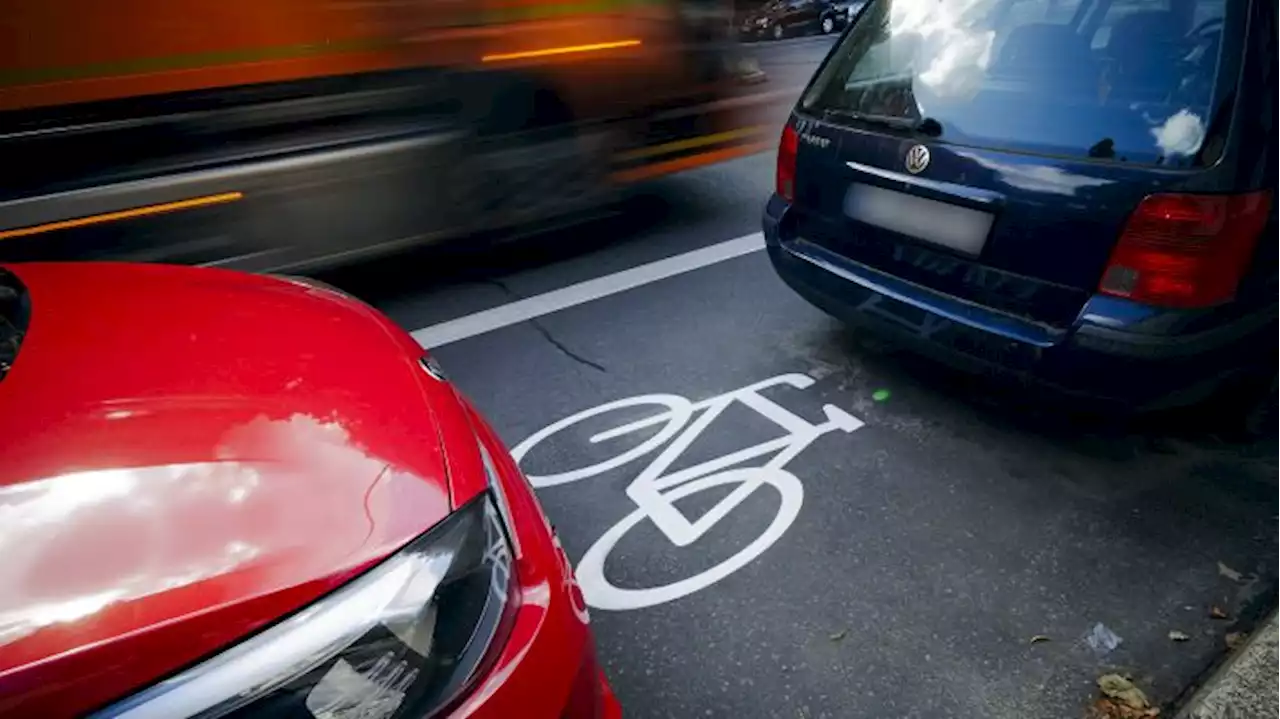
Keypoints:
(655, 494)
(479, 323)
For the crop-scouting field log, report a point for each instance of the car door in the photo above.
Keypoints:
(800, 14)
(807, 13)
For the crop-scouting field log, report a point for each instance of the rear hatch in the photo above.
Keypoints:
(993, 149)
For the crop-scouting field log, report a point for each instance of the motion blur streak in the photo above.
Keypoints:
(691, 143)
(124, 214)
(687, 163)
(353, 128)
(567, 50)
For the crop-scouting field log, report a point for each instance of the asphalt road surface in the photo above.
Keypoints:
(858, 533)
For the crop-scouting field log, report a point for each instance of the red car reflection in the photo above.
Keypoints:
(234, 495)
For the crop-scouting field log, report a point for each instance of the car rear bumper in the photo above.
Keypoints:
(1096, 359)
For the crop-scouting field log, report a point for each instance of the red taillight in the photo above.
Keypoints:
(786, 177)
(1186, 250)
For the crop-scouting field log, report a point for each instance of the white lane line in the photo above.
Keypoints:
(582, 292)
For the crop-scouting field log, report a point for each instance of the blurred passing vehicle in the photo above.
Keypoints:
(259, 498)
(281, 133)
(1080, 191)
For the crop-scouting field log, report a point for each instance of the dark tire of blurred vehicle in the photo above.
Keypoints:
(528, 158)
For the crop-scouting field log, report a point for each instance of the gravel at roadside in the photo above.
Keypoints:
(1245, 686)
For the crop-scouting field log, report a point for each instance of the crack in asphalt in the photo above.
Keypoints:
(546, 334)
(565, 350)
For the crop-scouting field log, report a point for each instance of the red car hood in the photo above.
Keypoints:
(188, 455)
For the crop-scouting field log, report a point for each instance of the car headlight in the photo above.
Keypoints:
(761, 22)
(499, 495)
(405, 638)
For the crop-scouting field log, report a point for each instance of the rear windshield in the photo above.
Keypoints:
(1123, 80)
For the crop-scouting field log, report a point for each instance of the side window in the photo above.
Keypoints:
(1207, 11)
(1055, 12)
(1169, 16)
(1118, 12)
(1160, 50)
(1035, 27)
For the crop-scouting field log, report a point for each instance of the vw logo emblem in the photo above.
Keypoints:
(917, 159)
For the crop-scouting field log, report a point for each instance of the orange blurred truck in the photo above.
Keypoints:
(272, 134)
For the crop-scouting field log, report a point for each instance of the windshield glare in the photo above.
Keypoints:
(1124, 80)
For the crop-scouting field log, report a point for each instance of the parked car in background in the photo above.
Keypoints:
(842, 13)
(1082, 195)
(258, 497)
(778, 19)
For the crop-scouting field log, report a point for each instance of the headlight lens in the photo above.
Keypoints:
(499, 496)
(403, 639)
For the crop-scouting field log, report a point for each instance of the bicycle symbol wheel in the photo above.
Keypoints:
(603, 594)
(673, 409)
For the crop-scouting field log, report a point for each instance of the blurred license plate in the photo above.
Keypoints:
(959, 228)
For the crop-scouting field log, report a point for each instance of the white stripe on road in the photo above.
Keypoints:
(556, 300)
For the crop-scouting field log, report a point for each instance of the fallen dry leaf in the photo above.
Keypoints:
(1039, 638)
(1217, 612)
(1229, 573)
(1178, 636)
(837, 636)
(1114, 686)
(1234, 639)
(1105, 708)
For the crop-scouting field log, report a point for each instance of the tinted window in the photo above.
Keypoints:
(15, 314)
(1126, 80)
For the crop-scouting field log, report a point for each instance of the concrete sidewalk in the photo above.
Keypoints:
(1245, 686)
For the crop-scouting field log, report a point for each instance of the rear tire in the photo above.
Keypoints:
(1260, 421)
(828, 24)
(1243, 410)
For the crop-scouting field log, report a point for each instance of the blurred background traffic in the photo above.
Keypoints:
(290, 134)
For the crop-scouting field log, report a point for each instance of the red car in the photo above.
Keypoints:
(234, 495)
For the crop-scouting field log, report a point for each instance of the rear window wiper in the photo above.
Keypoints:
(923, 125)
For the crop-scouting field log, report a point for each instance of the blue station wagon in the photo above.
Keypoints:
(1080, 193)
